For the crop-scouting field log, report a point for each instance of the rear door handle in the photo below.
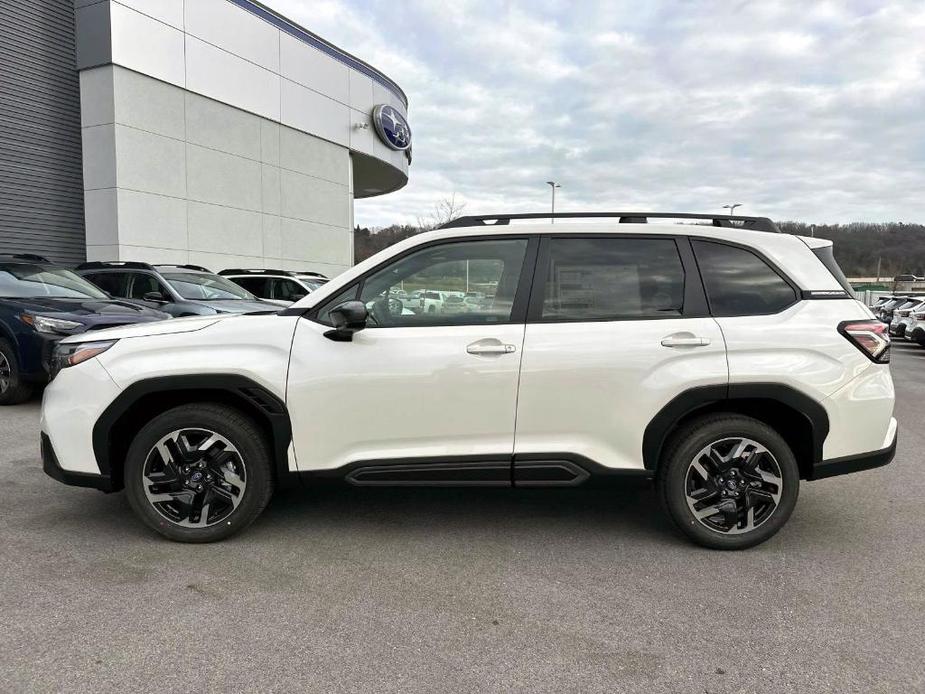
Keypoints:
(490, 346)
(685, 341)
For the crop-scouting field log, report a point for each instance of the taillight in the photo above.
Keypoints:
(870, 336)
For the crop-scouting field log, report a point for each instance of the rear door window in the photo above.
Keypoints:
(595, 279)
(739, 283)
(113, 283)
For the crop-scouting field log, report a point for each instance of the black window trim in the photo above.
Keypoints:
(521, 294)
(694, 304)
(797, 291)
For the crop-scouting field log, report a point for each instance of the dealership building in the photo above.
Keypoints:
(213, 132)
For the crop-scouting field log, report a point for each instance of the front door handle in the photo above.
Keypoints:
(490, 346)
(685, 340)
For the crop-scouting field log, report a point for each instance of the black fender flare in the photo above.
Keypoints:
(690, 401)
(250, 395)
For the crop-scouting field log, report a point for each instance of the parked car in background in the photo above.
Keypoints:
(180, 290)
(40, 303)
(902, 316)
(915, 331)
(885, 313)
(282, 287)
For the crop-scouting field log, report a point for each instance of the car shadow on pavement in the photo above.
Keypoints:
(630, 508)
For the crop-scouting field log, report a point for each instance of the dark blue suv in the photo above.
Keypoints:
(41, 303)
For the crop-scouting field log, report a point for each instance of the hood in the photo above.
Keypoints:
(89, 311)
(169, 327)
(240, 305)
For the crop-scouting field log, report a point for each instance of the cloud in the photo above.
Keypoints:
(809, 111)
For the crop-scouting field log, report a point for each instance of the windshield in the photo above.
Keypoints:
(313, 284)
(202, 287)
(20, 280)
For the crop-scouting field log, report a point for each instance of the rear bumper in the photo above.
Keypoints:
(854, 463)
(76, 479)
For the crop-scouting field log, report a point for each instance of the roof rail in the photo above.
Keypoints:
(26, 256)
(100, 264)
(718, 220)
(255, 271)
(198, 268)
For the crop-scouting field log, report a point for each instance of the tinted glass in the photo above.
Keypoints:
(113, 283)
(286, 290)
(20, 280)
(195, 285)
(739, 283)
(255, 285)
(144, 284)
(613, 278)
(444, 274)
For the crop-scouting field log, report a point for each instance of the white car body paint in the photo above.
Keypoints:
(588, 388)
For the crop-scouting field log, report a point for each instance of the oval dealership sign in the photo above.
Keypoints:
(392, 127)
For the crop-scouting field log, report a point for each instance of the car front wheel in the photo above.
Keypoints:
(728, 481)
(199, 473)
(13, 390)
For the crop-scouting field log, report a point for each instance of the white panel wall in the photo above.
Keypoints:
(217, 49)
(172, 176)
(234, 30)
(167, 11)
(231, 79)
(147, 45)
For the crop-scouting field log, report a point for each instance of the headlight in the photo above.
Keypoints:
(72, 354)
(45, 324)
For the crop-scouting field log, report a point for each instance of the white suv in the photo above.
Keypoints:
(725, 362)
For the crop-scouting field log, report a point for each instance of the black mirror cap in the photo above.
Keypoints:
(348, 318)
(153, 296)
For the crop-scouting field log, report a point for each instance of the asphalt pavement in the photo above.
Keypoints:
(424, 590)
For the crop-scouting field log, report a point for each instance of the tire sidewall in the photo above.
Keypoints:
(227, 422)
(17, 391)
(674, 474)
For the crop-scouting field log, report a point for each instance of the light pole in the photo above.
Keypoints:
(553, 185)
(732, 208)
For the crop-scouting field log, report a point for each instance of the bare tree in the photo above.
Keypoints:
(444, 211)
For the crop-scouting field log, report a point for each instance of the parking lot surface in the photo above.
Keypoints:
(393, 590)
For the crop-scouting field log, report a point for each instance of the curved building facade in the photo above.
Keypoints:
(218, 132)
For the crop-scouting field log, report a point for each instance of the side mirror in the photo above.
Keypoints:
(153, 296)
(348, 318)
(298, 297)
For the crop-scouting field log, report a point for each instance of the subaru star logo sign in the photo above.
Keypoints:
(392, 127)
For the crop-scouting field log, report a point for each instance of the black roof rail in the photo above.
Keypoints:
(105, 264)
(718, 220)
(26, 256)
(197, 268)
(255, 271)
(309, 273)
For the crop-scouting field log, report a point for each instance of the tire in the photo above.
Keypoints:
(13, 390)
(712, 442)
(235, 480)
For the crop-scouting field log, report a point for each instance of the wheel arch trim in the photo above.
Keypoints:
(270, 409)
(693, 400)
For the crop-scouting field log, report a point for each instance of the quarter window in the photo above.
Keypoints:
(612, 279)
(739, 283)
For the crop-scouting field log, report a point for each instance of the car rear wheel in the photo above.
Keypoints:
(199, 473)
(13, 390)
(728, 481)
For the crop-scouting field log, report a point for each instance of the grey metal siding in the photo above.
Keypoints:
(41, 178)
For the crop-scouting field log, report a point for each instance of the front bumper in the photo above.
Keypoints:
(855, 463)
(53, 469)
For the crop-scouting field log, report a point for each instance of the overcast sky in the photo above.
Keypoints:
(800, 109)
